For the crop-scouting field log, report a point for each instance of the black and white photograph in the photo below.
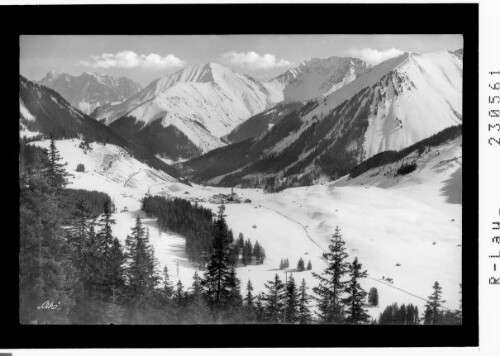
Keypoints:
(234, 179)
(229, 177)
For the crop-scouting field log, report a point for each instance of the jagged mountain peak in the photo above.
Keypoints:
(90, 90)
(370, 77)
(316, 77)
(211, 72)
(313, 63)
(94, 74)
(51, 75)
(97, 75)
(328, 61)
(203, 101)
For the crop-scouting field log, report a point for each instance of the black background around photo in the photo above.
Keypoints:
(236, 19)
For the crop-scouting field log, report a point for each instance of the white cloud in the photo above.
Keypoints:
(254, 61)
(374, 56)
(130, 59)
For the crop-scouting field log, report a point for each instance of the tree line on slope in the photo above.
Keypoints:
(321, 152)
(80, 273)
(155, 138)
(434, 314)
(387, 157)
(246, 154)
(57, 119)
(301, 267)
(33, 157)
(195, 223)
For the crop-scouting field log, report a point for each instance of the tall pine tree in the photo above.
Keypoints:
(115, 282)
(373, 296)
(355, 314)
(105, 223)
(258, 253)
(292, 301)
(249, 299)
(86, 258)
(168, 289)
(309, 266)
(112, 255)
(304, 314)
(274, 300)
(56, 173)
(331, 283)
(197, 309)
(300, 265)
(141, 267)
(234, 304)
(433, 306)
(217, 278)
(249, 303)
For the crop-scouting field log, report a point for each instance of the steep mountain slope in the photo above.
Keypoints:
(260, 123)
(45, 113)
(393, 105)
(198, 104)
(90, 90)
(312, 79)
(317, 77)
(435, 167)
(420, 147)
(108, 168)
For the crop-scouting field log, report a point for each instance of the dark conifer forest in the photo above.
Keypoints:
(192, 221)
(195, 223)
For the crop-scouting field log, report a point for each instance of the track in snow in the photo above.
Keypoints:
(302, 226)
(373, 279)
(131, 176)
(402, 290)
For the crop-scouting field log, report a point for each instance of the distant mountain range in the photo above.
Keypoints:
(316, 77)
(319, 119)
(185, 113)
(194, 110)
(90, 90)
(312, 79)
(44, 113)
(388, 107)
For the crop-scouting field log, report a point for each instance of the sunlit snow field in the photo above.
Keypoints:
(414, 221)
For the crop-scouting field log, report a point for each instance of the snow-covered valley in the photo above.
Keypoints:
(405, 228)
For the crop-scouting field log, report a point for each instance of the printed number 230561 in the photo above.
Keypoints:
(494, 112)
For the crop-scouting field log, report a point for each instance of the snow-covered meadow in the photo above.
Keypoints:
(407, 229)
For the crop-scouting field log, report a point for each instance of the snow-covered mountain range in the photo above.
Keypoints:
(391, 106)
(312, 79)
(318, 76)
(321, 118)
(203, 102)
(44, 113)
(200, 104)
(90, 90)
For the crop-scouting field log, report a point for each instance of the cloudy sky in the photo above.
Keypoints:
(145, 58)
